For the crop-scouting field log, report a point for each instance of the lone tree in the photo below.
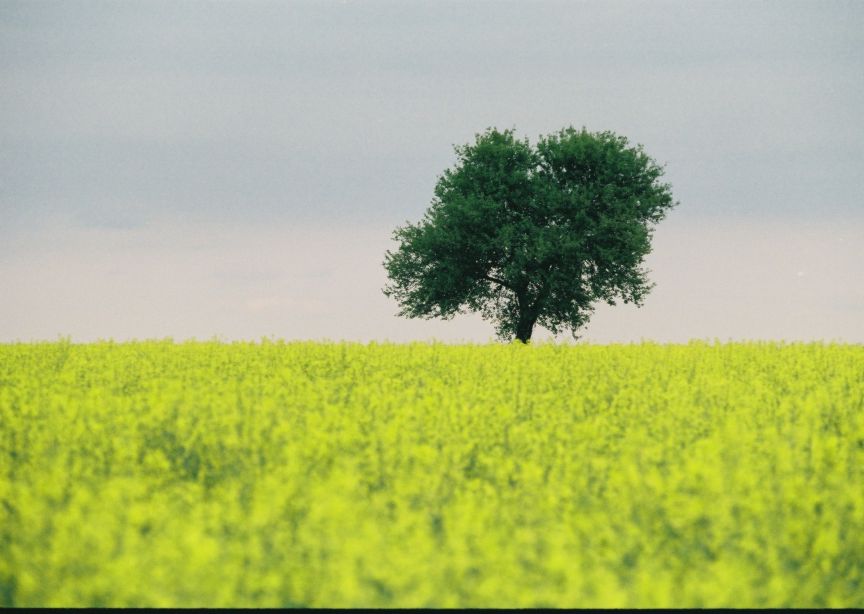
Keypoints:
(531, 236)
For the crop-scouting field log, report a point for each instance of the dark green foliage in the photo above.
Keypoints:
(532, 235)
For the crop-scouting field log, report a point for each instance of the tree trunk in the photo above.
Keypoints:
(524, 327)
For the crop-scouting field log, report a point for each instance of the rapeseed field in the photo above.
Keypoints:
(430, 475)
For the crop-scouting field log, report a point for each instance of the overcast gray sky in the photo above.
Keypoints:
(235, 169)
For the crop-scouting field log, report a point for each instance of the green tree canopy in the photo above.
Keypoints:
(532, 235)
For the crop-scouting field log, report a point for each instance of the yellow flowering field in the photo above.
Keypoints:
(431, 475)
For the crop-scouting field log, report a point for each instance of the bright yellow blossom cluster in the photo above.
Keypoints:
(430, 475)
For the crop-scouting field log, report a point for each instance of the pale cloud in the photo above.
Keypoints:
(236, 169)
(286, 305)
(725, 279)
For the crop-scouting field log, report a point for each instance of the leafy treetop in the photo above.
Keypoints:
(532, 235)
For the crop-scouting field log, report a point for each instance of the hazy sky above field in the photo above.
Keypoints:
(235, 169)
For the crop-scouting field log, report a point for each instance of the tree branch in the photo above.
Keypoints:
(500, 282)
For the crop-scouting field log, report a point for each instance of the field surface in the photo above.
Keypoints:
(326, 475)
